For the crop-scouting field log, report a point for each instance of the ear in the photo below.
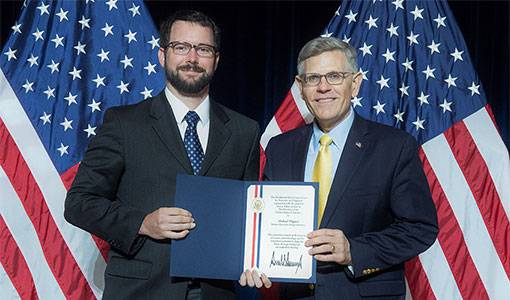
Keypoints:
(300, 85)
(161, 57)
(356, 84)
(216, 60)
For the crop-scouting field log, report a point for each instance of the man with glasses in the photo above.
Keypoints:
(375, 209)
(124, 189)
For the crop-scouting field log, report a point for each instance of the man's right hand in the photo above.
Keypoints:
(167, 223)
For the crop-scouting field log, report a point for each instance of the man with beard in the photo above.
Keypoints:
(124, 189)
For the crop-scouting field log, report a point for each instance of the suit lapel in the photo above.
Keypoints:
(300, 152)
(354, 150)
(219, 135)
(165, 125)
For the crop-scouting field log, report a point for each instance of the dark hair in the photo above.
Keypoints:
(192, 16)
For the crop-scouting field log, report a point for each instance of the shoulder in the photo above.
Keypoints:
(383, 132)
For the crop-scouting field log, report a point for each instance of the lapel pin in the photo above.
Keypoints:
(358, 144)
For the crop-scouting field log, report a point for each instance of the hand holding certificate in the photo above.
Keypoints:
(246, 225)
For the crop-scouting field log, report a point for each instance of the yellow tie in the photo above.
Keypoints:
(322, 170)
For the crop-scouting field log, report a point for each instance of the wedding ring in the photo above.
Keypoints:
(332, 248)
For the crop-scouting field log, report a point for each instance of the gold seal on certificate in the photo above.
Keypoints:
(257, 204)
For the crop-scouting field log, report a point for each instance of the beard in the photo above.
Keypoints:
(193, 86)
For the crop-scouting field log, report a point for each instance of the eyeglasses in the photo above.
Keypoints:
(183, 48)
(333, 78)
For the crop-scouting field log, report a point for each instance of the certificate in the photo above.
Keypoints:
(245, 225)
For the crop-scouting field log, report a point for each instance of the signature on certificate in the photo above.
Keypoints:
(285, 261)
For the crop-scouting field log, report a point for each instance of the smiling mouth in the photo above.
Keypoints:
(324, 100)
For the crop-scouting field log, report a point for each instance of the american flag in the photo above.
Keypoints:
(64, 64)
(417, 76)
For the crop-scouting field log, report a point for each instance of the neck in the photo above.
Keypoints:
(191, 101)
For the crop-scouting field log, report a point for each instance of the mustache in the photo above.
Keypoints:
(191, 67)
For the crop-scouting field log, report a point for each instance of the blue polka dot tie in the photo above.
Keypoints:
(192, 143)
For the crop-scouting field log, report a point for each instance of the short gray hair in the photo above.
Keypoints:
(320, 45)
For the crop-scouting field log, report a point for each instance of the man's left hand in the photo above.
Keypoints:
(329, 245)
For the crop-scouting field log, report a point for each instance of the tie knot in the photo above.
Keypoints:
(191, 118)
(325, 140)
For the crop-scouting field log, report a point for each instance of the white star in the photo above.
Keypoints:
(399, 116)
(53, 66)
(434, 47)
(326, 34)
(408, 64)
(107, 29)
(62, 15)
(154, 42)
(419, 123)
(38, 35)
(130, 36)
(62, 149)
(417, 13)
(127, 62)
(11, 54)
(87, 1)
(392, 30)
(71, 99)
(16, 28)
(49, 92)
(80, 48)
(398, 4)
(474, 89)
(45, 118)
(28, 86)
(67, 124)
(389, 55)
(379, 108)
(33, 60)
(371, 22)
(346, 39)
(366, 49)
(446, 106)
(356, 101)
(457, 55)
(134, 9)
(403, 90)
(58, 41)
(112, 4)
(351, 16)
(337, 13)
(151, 68)
(146, 93)
(99, 80)
(84, 22)
(94, 105)
(383, 82)
(123, 87)
(363, 73)
(104, 55)
(76, 73)
(423, 99)
(451, 80)
(440, 21)
(90, 130)
(412, 38)
(429, 72)
(44, 9)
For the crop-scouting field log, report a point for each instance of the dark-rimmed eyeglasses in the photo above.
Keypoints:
(333, 78)
(183, 48)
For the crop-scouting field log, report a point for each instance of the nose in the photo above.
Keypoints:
(192, 55)
(323, 86)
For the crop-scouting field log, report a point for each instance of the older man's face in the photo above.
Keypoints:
(189, 74)
(329, 103)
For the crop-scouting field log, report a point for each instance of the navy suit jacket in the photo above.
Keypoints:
(379, 198)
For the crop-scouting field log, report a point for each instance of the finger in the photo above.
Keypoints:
(322, 249)
(177, 227)
(242, 280)
(249, 278)
(256, 279)
(265, 280)
(324, 257)
(319, 240)
(175, 235)
(175, 211)
(177, 219)
(324, 232)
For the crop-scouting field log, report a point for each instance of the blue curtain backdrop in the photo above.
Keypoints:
(261, 40)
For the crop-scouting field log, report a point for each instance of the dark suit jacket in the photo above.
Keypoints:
(379, 198)
(129, 170)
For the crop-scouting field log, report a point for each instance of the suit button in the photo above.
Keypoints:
(311, 286)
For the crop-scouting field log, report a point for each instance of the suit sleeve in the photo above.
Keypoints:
(251, 170)
(415, 220)
(91, 202)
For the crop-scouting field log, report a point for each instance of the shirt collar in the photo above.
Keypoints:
(180, 109)
(338, 134)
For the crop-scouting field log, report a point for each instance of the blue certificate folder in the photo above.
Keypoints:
(215, 247)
